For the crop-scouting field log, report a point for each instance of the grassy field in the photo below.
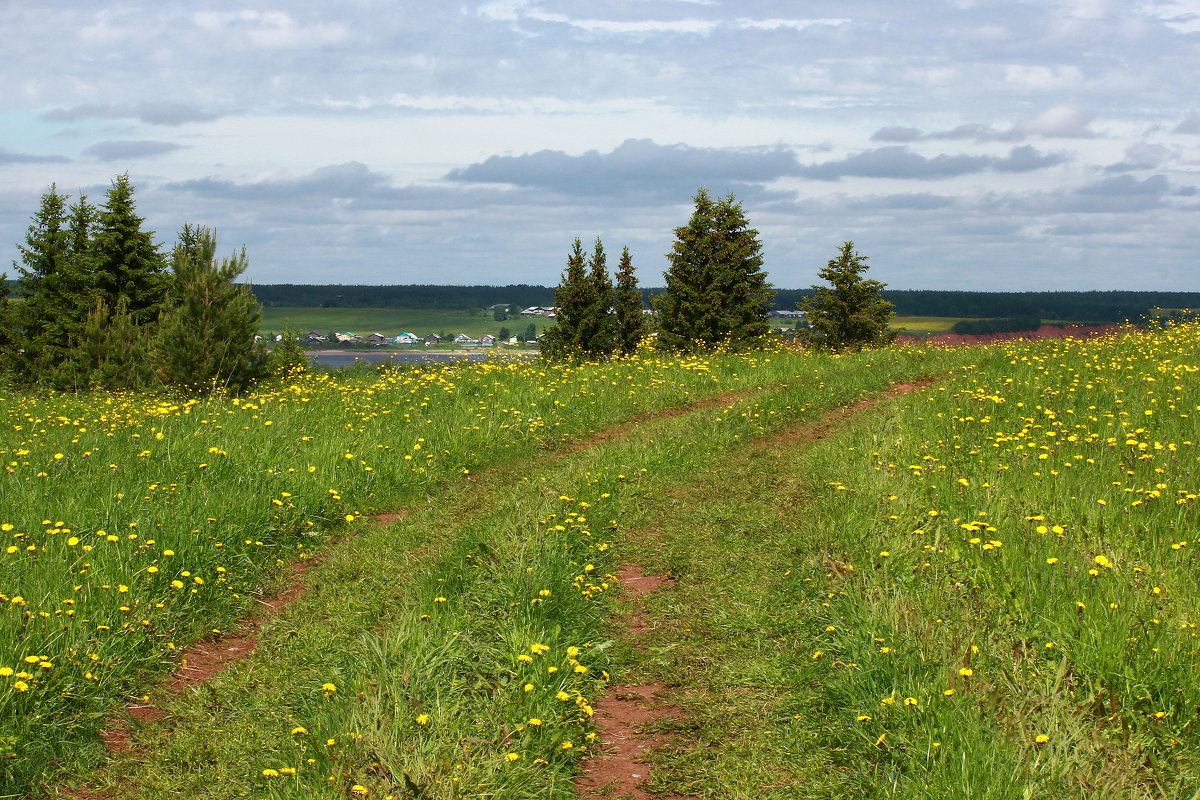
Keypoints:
(982, 589)
(421, 321)
(391, 321)
(926, 324)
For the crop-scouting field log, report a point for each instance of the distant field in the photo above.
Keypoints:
(927, 324)
(391, 321)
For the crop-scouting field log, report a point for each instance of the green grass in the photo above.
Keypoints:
(391, 321)
(138, 523)
(984, 589)
(927, 324)
(484, 609)
(980, 591)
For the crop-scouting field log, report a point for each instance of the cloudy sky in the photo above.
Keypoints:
(962, 144)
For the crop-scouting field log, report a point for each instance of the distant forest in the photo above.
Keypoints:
(1067, 306)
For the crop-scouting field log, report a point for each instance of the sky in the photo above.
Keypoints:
(960, 144)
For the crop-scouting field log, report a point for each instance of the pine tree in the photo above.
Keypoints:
(127, 264)
(850, 313)
(207, 338)
(716, 294)
(631, 322)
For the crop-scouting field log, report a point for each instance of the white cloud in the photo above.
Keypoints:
(270, 29)
(695, 26)
(795, 24)
(1043, 78)
(1065, 121)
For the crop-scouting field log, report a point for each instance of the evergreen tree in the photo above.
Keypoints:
(849, 313)
(47, 311)
(598, 328)
(127, 264)
(288, 356)
(79, 281)
(571, 299)
(206, 339)
(631, 322)
(8, 346)
(46, 250)
(111, 351)
(716, 294)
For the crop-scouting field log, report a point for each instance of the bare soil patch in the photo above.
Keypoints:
(621, 717)
(624, 713)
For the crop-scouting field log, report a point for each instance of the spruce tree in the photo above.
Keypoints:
(631, 322)
(288, 357)
(111, 351)
(8, 346)
(717, 293)
(850, 313)
(207, 339)
(598, 329)
(127, 265)
(571, 298)
(46, 311)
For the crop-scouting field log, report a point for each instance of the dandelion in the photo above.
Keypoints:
(422, 719)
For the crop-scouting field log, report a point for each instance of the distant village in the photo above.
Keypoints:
(318, 339)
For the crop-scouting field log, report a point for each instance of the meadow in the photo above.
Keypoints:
(391, 321)
(983, 588)
(422, 321)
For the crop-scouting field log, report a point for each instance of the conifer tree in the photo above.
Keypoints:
(111, 351)
(850, 313)
(571, 298)
(627, 305)
(598, 329)
(127, 263)
(207, 338)
(717, 293)
(46, 308)
(288, 356)
(8, 345)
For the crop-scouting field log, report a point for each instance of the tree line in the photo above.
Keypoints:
(98, 303)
